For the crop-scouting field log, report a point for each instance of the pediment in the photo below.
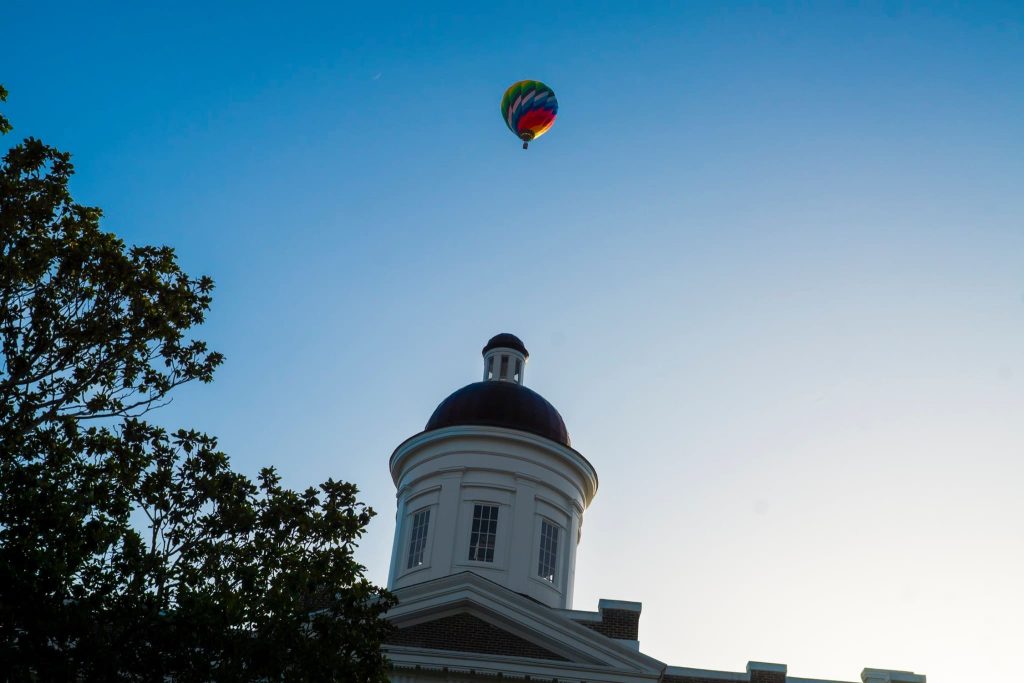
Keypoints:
(469, 623)
(466, 632)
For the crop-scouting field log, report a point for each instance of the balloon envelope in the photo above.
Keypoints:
(529, 109)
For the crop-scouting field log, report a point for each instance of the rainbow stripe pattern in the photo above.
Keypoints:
(529, 109)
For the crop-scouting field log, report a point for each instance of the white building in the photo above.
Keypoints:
(491, 497)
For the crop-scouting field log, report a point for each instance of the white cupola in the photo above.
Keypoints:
(492, 486)
(505, 359)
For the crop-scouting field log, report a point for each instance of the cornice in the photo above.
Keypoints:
(569, 455)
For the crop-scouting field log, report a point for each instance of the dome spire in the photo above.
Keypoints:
(505, 358)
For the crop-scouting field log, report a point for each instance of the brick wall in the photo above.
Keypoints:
(767, 677)
(467, 633)
(622, 624)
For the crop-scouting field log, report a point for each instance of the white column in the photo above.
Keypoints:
(448, 508)
(521, 540)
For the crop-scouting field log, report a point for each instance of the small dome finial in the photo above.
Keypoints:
(507, 341)
(505, 358)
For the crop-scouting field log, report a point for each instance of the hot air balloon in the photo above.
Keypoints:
(529, 109)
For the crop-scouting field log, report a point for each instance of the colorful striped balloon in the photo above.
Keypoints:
(529, 109)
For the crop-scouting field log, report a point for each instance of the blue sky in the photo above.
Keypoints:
(769, 264)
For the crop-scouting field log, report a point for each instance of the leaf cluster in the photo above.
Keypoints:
(128, 552)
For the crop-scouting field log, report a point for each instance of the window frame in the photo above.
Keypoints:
(543, 550)
(475, 530)
(407, 538)
(421, 540)
(561, 553)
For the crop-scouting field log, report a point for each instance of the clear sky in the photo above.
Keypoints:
(769, 264)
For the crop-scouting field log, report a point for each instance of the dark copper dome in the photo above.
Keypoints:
(500, 404)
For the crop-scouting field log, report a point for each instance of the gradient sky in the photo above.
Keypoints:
(769, 264)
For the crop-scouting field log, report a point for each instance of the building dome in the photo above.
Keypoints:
(500, 404)
(493, 487)
(506, 341)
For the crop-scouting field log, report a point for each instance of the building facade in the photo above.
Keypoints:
(491, 497)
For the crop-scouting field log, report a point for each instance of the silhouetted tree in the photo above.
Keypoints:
(127, 552)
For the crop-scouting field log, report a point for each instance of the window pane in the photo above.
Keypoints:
(484, 533)
(504, 367)
(418, 538)
(547, 564)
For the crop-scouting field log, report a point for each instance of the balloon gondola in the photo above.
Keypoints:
(529, 109)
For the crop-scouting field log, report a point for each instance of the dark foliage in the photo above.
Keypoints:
(127, 552)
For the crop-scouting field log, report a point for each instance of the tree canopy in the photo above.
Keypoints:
(127, 551)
